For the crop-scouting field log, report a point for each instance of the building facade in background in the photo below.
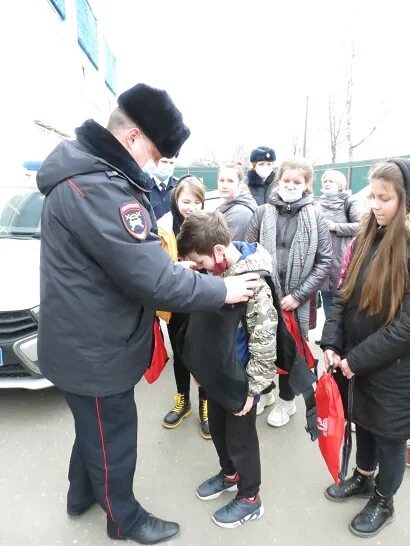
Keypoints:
(65, 72)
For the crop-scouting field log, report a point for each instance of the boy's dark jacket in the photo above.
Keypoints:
(210, 345)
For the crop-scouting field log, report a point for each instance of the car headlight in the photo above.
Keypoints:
(35, 312)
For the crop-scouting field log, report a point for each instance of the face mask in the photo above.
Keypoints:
(149, 168)
(165, 170)
(290, 196)
(263, 171)
(330, 191)
(221, 267)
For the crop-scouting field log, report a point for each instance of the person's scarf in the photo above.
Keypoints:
(101, 143)
(301, 254)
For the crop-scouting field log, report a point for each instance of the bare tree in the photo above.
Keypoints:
(348, 109)
(340, 119)
(335, 127)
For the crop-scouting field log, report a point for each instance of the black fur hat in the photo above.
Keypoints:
(404, 166)
(156, 115)
(262, 153)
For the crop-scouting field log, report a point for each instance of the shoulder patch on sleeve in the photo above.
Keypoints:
(133, 218)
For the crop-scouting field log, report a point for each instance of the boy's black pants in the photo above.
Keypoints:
(236, 442)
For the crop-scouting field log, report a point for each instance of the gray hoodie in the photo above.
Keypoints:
(238, 213)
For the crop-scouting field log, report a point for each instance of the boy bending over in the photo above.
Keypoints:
(232, 354)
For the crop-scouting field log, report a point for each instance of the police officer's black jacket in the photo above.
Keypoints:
(103, 271)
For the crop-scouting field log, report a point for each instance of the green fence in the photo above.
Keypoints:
(356, 173)
(208, 175)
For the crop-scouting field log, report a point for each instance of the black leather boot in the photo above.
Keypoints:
(152, 531)
(356, 486)
(377, 513)
(181, 410)
(203, 420)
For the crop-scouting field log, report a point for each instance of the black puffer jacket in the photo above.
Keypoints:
(380, 358)
(260, 189)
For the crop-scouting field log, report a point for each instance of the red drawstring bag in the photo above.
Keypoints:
(159, 354)
(303, 347)
(330, 422)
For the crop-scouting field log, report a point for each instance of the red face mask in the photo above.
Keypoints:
(221, 267)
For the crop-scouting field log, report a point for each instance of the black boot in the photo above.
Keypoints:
(203, 420)
(358, 485)
(377, 513)
(152, 531)
(181, 409)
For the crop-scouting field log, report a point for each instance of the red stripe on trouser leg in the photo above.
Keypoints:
(104, 454)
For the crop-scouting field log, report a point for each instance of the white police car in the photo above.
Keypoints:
(20, 212)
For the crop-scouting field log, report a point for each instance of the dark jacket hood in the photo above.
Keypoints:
(290, 208)
(244, 199)
(68, 159)
(95, 150)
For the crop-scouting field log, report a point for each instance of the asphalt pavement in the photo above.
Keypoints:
(36, 435)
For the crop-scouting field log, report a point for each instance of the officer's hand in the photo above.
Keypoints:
(240, 287)
(188, 264)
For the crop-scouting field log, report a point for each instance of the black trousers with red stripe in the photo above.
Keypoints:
(104, 456)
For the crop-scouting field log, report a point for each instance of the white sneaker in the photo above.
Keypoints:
(281, 413)
(265, 400)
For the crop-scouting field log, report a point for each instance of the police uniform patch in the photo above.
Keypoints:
(133, 218)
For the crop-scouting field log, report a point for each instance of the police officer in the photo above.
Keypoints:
(164, 183)
(103, 273)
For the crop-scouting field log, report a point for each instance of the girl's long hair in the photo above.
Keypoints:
(387, 278)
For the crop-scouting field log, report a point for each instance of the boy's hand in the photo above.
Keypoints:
(240, 287)
(247, 407)
(289, 303)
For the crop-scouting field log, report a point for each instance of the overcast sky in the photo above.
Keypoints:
(240, 71)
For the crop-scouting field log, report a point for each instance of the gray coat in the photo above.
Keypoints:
(103, 274)
(238, 213)
(345, 213)
(286, 229)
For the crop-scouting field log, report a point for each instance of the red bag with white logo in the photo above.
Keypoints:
(159, 354)
(330, 422)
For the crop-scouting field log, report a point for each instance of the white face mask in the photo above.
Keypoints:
(165, 170)
(263, 171)
(330, 191)
(149, 168)
(290, 196)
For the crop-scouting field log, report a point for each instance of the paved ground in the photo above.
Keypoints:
(36, 433)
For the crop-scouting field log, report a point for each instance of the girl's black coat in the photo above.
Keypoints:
(380, 358)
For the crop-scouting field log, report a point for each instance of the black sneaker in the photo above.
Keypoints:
(377, 513)
(358, 485)
(238, 511)
(215, 486)
(203, 420)
(181, 410)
